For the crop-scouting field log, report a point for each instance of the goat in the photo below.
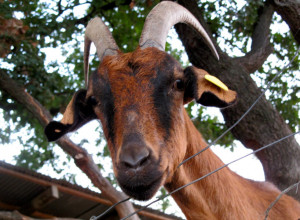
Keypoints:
(139, 98)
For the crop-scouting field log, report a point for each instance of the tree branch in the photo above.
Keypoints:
(289, 10)
(253, 60)
(60, 10)
(82, 159)
(261, 32)
(261, 47)
(94, 11)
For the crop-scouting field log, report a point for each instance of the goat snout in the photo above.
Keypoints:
(134, 156)
(135, 153)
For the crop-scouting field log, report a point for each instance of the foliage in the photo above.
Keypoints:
(232, 22)
(165, 203)
(60, 25)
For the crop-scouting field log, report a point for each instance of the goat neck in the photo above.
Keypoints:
(224, 194)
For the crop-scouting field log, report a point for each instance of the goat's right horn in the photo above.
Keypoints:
(98, 33)
(160, 20)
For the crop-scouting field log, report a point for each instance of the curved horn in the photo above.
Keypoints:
(160, 20)
(98, 33)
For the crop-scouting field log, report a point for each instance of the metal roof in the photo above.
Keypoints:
(41, 196)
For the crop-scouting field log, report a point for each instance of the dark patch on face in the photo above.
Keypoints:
(162, 85)
(133, 67)
(102, 91)
(191, 84)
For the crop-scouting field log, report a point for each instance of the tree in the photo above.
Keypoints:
(43, 89)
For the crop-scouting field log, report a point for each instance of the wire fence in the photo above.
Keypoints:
(225, 165)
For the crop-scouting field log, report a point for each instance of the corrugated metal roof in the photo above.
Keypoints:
(16, 192)
(32, 194)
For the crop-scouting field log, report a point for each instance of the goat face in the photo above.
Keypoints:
(139, 100)
(141, 110)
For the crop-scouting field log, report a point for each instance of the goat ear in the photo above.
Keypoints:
(207, 89)
(78, 112)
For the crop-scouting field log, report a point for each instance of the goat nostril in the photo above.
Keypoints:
(135, 157)
(143, 161)
(136, 165)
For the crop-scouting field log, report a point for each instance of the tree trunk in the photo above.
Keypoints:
(82, 159)
(263, 125)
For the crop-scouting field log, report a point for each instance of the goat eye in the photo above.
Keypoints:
(92, 101)
(179, 85)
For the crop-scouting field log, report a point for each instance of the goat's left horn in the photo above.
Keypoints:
(160, 20)
(98, 33)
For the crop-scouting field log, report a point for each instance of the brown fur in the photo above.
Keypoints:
(131, 80)
(223, 195)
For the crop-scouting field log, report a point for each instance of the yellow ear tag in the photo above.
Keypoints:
(216, 81)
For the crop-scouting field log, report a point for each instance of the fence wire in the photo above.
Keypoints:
(296, 185)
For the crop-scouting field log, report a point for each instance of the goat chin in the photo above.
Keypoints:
(140, 191)
(141, 184)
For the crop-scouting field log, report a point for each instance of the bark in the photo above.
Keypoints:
(82, 159)
(263, 125)
(261, 47)
(289, 10)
